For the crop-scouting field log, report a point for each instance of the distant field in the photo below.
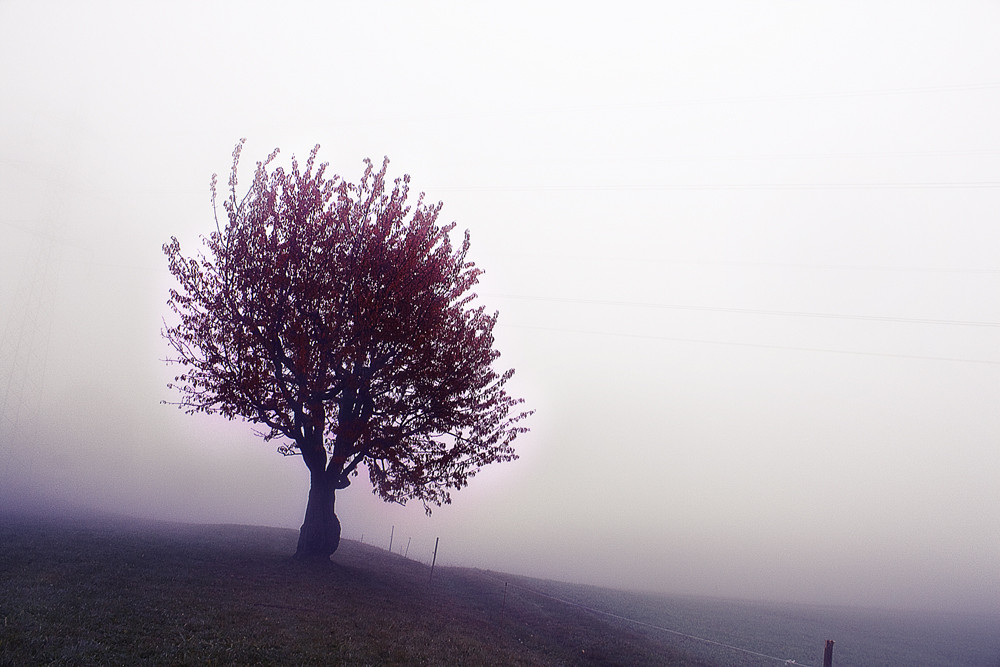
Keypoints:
(119, 591)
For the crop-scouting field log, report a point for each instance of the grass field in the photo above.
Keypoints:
(123, 591)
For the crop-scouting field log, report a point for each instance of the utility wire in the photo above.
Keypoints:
(815, 95)
(497, 112)
(752, 311)
(928, 185)
(682, 157)
(546, 257)
(756, 345)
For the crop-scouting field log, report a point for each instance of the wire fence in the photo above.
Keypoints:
(625, 619)
(653, 626)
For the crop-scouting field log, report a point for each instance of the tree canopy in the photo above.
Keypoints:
(340, 318)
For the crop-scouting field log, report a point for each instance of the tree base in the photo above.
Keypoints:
(319, 537)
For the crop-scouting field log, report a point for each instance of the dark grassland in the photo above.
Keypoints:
(122, 591)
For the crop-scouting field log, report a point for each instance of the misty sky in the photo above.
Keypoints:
(745, 257)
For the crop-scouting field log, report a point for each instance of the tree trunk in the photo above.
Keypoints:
(320, 533)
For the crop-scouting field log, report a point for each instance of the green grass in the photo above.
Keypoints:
(120, 591)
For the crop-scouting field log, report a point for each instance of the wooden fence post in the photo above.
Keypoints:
(391, 533)
(828, 654)
(435, 558)
(406, 553)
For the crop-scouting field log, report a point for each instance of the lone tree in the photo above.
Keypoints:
(339, 317)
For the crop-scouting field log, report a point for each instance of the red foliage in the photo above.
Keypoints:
(340, 317)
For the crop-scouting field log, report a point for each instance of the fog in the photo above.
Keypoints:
(745, 257)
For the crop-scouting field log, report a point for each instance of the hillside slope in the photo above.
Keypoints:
(116, 591)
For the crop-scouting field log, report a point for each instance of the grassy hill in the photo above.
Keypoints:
(123, 591)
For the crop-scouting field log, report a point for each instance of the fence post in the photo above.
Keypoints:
(407, 547)
(828, 654)
(391, 532)
(434, 559)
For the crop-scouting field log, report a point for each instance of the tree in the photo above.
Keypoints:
(340, 319)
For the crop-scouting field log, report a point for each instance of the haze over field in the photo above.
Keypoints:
(745, 257)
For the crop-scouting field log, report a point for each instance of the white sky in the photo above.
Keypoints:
(745, 256)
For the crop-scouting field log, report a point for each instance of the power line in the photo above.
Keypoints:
(787, 156)
(679, 102)
(753, 311)
(916, 185)
(870, 92)
(60, 239)
(764, 346)
(693, 157)
(710, 262)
